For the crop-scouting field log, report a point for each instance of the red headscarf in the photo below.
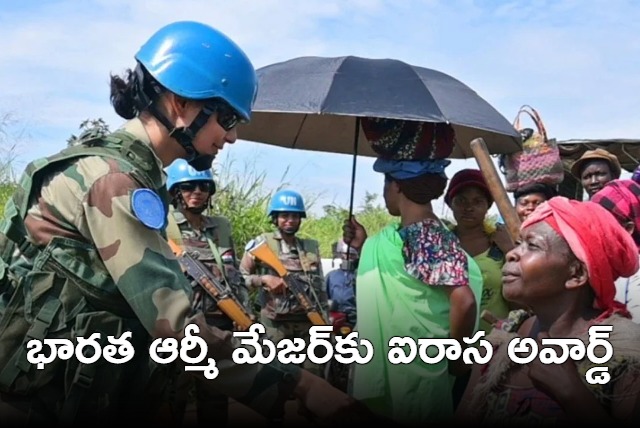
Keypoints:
(597, 240)
(622, 199)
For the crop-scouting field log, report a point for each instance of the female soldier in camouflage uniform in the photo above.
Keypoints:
(281, 313)
(208, 238)
(83, 246)
(283, 316)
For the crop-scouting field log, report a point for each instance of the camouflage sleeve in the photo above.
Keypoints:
(224, 236)
(223, 233)
(262, 387)
(244, 297)
(237, 284)
(236, 260)
(138, 258)
(248, 270)
(232, 245)
(94, 196)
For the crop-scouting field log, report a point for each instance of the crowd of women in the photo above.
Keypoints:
(573, 267)
(83, 250)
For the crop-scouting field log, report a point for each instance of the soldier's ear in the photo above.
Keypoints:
(177, 104)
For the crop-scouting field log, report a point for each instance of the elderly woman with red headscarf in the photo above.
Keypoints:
(622, 199)
(564, 269)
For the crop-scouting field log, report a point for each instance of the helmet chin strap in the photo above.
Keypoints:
(194, 210)
(202, 162)
(289, 231)
(183, 135)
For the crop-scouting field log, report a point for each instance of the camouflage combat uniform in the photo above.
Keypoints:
(281, 314)
(83, 262)
(215, 235)
(213, 246)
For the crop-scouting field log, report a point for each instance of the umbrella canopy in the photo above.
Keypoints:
(315, 103)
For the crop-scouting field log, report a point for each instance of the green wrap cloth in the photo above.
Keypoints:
(392, 303)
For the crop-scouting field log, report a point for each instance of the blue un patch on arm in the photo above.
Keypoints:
(148, 208)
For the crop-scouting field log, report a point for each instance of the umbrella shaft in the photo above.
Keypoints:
(353, 166)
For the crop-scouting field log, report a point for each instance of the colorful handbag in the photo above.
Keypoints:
(538, 162)
(397, 139)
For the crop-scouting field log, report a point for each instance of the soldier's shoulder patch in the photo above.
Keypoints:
(148, 208)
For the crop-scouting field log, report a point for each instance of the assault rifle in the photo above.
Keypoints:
(221, 293)
(261, 251)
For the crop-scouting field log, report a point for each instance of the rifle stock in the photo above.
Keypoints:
(226, 301)
(261, 251)
(316, 318)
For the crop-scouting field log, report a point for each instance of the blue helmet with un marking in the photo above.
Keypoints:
(198, 62)
(287, 201)
(180, 171)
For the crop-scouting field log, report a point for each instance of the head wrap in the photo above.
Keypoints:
(467, 178)
(405, 169)
(399, 139)
(597, 240)
(622, 199)
(597, 154)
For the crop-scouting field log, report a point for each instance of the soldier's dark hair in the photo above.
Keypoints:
(422, 189)
(134, 93)
(123, 94)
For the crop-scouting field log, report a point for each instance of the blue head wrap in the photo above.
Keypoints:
(404, 169)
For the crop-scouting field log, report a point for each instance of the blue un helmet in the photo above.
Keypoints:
(197, 62)
(287, 201)
(180, 171)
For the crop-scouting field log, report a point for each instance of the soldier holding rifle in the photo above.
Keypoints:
(211, 264)
(286, 312)
(83, 246)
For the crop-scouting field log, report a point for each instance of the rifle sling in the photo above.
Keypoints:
(216, 255)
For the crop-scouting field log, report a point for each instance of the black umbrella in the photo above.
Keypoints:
(316, 103)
